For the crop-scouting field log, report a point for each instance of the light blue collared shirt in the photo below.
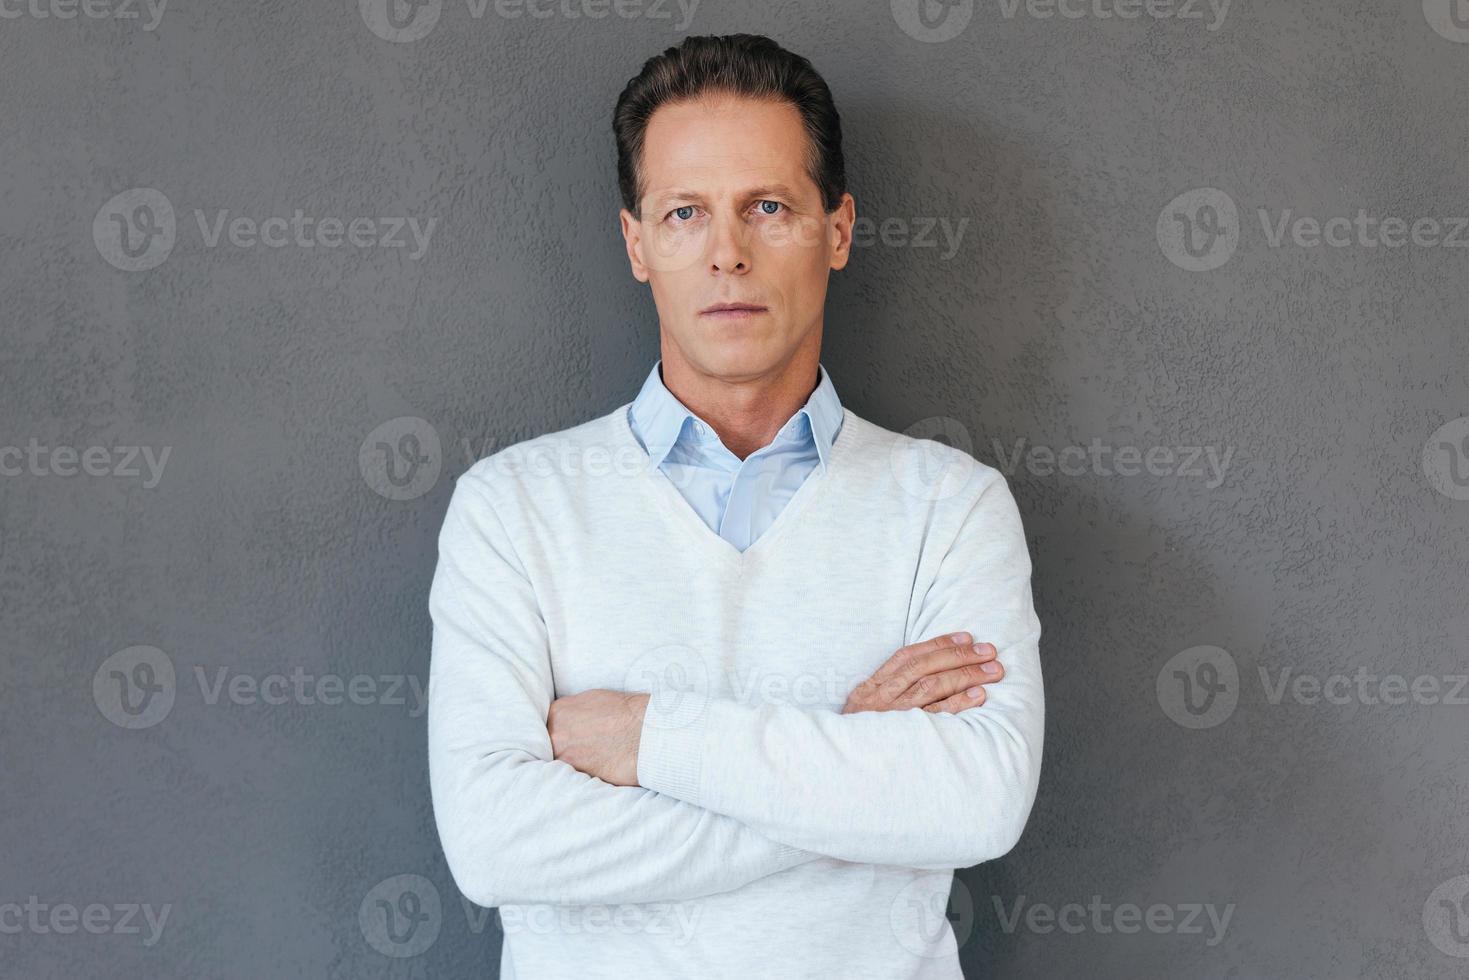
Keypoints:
(738, 499)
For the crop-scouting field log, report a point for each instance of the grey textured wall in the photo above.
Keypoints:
(1100, 249)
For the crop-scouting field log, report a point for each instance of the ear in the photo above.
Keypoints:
(632, 236)
(841, 221)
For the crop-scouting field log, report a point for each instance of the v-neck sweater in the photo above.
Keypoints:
(737, 497)
(770, 835)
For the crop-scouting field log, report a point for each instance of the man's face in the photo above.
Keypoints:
(730, 216)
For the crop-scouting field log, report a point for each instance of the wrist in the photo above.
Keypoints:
(637, 709)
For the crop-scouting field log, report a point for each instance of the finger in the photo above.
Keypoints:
(958, 702)
(938, 686)
(905, 654)
(942, 659)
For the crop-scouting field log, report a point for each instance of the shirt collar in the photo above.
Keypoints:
(660, 419)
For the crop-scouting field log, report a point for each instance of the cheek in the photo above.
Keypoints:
(798, 260)
(669, 287)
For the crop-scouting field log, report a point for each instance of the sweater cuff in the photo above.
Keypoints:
(671, 743)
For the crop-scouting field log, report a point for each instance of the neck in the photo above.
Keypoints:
(745, 411)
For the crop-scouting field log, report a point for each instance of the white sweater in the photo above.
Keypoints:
(771, 836)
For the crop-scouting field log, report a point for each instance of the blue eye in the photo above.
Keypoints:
(680, 212)
(770, 210)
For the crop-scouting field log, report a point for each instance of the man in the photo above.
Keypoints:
(707, 689)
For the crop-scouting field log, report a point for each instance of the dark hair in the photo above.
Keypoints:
(739, 64)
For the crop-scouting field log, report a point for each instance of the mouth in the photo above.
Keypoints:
(732, 311)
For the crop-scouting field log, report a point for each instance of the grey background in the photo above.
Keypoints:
(264, 549)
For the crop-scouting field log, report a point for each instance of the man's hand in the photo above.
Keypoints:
(945, 673)
(597, 732)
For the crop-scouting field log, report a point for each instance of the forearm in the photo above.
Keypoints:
(912, 788)
(908, 787)
(519, 829)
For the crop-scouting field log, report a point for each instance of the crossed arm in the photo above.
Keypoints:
(914, 788)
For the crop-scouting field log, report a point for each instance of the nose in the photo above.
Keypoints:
(729, 248)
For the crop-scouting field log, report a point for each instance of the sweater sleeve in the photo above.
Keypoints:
(517, 826)
(912, 788)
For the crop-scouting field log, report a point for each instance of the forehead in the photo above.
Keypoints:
(719, 144)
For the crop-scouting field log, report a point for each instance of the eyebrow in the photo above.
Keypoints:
(764, 190)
